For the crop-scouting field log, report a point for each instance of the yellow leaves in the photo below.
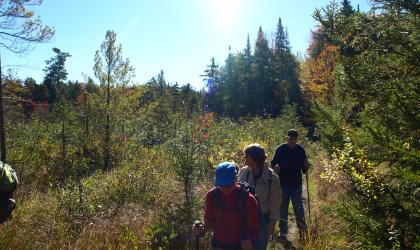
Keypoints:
(212, 160)
(319, 73)
(360, 177)
(330, 171)
(363, 173)
(221, 155)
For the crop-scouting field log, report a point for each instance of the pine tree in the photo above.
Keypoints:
(317, 43)
(376, 103)
(329, 21)
(55, 69)
(281, 65)
(55, 75)
(230, 86)
(18, 31)
(212, 97)
(285, 74)
(111, 70)
(190, 100)
(247, 78)
(240, 76)
(161, 83)
(262, 68)
(281, 40)
(346, 8)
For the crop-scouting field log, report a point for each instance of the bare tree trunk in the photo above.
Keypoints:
(2, 129)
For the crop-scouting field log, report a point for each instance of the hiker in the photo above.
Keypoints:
(267, 188)
(290, 161)
(8, 184)
(231, 212)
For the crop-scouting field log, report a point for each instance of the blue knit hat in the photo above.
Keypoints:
(225, 174)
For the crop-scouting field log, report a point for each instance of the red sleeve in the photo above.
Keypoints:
(253, 217)
(209, 219)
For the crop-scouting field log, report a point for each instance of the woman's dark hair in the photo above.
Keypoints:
(256, 152)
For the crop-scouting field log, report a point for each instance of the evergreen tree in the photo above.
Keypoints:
(212, 95)
(55, 75)
(18, 31)
(74, 90)
(91, 87)
(176, 100)
(230, 86)
(318, 41)
(329, 20)
(285, 70)
(262, 68)
(376, 103)
(30, 84)
(112, 71)
(247, 79)
(346, 8)
(189, 100)
(161, 82)
(240, 77)
(281, 44)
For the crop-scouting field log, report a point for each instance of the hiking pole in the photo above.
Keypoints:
(197, 243)
(274, 240)
(197, 224)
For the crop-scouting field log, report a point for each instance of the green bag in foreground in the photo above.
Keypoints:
(8, 179)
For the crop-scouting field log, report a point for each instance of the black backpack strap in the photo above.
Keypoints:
(216, 198)
(241, 200)
(217, 204)
(242, 196)
(247, 179)
(269, 185)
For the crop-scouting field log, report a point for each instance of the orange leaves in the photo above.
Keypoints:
(319, 74)
(202, 128)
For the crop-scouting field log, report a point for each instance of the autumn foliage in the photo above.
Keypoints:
(319, 74)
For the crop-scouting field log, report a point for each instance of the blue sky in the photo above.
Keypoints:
(177, 36)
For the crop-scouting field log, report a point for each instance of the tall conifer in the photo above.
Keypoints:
(263, 76)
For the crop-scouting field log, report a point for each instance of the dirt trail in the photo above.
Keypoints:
(293, 235)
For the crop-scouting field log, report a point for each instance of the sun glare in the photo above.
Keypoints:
(224, 13)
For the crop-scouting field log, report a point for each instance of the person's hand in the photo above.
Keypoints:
(305, 169)
(198, 229)
(247, 244)
(270, 229)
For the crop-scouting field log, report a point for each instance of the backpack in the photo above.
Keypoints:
(245, 189)
(252, 188)
(6, 208)
(241, 199)
(8, 180)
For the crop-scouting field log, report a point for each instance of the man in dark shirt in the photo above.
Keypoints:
(290, 161)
